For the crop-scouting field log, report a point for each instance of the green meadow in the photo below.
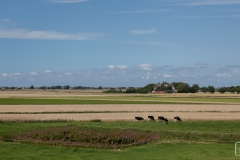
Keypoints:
(119, 100)
(186, 140)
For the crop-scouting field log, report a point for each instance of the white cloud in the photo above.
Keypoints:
(47, 71)
(17, 74)
(122, 67)
(68, 74)
(4, 74)
(167, 76)
(139, 75)
(222, 75)
(67, 1)
(45, 35)
(117, 67)
(111, 67)
(33, 73)
(140, 32)
(146, 67)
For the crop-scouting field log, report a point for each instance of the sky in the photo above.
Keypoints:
(119, 43)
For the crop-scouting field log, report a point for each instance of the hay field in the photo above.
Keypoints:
(114, 112)
(118, 112)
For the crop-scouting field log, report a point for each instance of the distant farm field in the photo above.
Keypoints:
(117, 112)
(84, 106)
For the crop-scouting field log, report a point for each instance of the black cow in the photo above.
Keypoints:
(165, 120)
(177, 119)
(160, 118)
(138, 119)
(151, 118)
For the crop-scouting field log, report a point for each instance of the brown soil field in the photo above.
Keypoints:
(119, 112)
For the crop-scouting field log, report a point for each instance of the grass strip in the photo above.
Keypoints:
(33, 101)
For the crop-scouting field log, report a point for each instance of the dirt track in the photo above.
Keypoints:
(120, 112)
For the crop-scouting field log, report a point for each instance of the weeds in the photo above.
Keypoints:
(86, 137)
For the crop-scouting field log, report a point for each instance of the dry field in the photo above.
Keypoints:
(120, 112)
(110, 112)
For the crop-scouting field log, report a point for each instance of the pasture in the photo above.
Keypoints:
(209, 129)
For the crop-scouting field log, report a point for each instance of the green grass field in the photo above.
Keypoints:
(186, 140)
(119, 100)
(173, 151)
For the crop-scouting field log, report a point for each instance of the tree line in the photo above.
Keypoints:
(165, 87)
(178, 87)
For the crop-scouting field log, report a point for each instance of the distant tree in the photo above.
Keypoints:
(222, 90)
(67, 87)
(176, 84)
(232, 89)
(142, 90)
(238, 89)
(164, 86)
(12, 88)
(100, 87)
(43, 87)
(194, 88)
(131, 90)
(56, 87)
(183, 88)
(32, 87)
(113, 91)
(211, 89)
(149, 87)
(191, 90)
(204, 89)
(161, 87)
(80, 87)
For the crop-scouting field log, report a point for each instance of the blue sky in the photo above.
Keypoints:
(120, 43)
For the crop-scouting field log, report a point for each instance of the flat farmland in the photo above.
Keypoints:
(209, 129)
(90, 105)
(118, 112)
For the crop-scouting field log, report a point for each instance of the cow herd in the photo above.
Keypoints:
(159, 118)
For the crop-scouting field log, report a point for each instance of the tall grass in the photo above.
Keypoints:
(86, 137)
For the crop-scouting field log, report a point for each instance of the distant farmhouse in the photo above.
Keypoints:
(164, 88)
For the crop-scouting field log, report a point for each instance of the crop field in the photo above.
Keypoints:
(85, 106)
(209, 127)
